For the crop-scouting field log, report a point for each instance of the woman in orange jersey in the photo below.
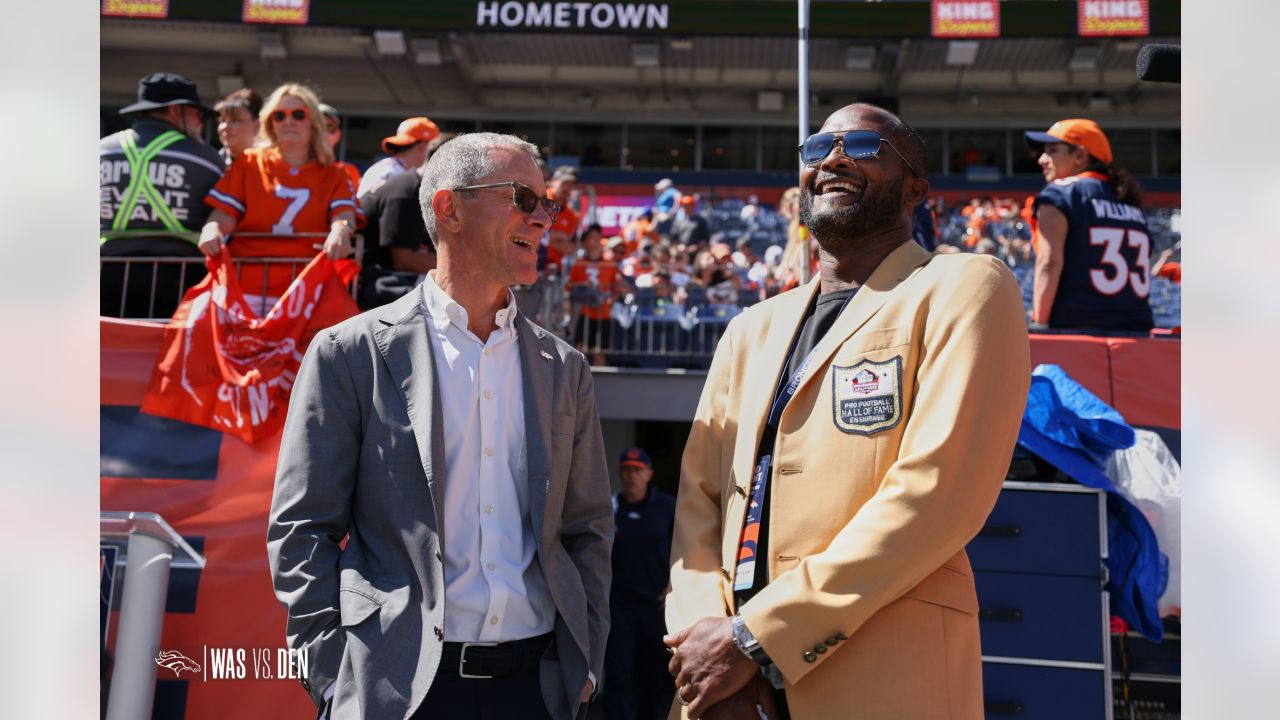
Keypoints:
(287, 186)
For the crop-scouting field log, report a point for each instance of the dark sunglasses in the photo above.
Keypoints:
(522, 196)
(855, 144)
(299, 114)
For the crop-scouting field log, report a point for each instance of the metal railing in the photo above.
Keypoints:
(150, 288)
(630, 328)
(639, 330)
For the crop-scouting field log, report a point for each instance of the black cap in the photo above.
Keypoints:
(162, 90)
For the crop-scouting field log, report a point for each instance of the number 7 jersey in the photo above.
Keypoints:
(265, 194)
(1106, 270)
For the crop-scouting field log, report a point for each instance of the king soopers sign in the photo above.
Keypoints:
(572, 15)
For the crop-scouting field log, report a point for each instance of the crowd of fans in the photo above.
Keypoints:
(276, 190)
(274, 194)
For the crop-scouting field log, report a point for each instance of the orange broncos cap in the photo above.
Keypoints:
(413, 130)
(1077, 131)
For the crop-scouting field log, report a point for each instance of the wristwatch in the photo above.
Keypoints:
(748, 643)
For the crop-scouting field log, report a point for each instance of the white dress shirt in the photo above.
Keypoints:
(494, 587)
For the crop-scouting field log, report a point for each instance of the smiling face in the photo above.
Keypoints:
(495, 234)
(842, 199)
(1060, 160)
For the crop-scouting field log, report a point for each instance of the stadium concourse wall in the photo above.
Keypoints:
(215, 490)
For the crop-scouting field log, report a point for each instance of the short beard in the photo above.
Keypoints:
(875, 212)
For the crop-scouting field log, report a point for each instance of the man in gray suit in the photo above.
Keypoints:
(456, 446)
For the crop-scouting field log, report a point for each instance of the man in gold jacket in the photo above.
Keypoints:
(851, 439)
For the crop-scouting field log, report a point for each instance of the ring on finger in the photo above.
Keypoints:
(680, 695)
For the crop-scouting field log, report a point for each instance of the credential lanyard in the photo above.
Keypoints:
(748, 542)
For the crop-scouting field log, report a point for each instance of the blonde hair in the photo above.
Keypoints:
(320, 150)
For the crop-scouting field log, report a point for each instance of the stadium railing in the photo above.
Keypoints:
(143, 275)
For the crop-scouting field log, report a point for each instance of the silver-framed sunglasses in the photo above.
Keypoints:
(855, 144)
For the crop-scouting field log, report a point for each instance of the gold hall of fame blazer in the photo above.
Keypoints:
(888, 460)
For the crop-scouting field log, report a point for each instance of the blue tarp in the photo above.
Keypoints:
(1075, 431)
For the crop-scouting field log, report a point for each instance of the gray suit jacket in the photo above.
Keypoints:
(362, 457)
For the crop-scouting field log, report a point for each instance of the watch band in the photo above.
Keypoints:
(748, 644)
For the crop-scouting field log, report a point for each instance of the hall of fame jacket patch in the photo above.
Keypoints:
(866, 397)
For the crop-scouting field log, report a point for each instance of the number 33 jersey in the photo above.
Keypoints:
(1106, 271)
(265, 194)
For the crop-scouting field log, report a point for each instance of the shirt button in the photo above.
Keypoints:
(488, 509)
(493, 620)
(488, 395)
(810, 656)
(488, 451)
(492, 566)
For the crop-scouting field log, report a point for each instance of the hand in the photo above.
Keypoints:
(211, 240)
(747, 704)
(586, 692)
(338, 244)
(707, 665)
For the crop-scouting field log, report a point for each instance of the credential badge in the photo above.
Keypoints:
(867, 397)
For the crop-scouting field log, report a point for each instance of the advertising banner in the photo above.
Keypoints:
(277, 12)
(1113, 18)
(221, 621)
(966, 18)
(136, 8)
(615, 211)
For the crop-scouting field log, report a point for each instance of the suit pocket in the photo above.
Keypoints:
(355, 606)
(866, 341)
(948, 587)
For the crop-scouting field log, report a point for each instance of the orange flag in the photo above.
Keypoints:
(224, 368)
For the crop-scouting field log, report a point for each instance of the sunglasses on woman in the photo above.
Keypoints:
(855, 144)
(299, 114)
(522, 196)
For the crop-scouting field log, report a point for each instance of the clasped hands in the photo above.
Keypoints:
(713, 677)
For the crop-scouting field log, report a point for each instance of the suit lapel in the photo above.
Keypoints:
(404, 341)
(784, 323)
(537, 375)
(892, 271)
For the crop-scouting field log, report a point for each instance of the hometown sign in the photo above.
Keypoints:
(572, 15)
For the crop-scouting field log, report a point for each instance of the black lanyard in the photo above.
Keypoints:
(788, 391)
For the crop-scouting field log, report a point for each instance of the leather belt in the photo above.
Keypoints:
(482, 661)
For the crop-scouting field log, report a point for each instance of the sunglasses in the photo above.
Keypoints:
(522, 196)
(299, 114)
(855, 144)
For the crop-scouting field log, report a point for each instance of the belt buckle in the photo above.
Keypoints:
(462, 660)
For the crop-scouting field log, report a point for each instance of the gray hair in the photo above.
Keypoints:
(464, 160)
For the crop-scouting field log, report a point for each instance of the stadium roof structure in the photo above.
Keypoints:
(453, 64)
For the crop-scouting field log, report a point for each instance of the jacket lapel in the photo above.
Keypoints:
(892, 271)
(771, 356)
(537, 375)
(403, 341)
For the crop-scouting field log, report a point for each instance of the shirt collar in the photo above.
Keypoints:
(445, 311)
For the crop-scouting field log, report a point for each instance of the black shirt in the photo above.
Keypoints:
(818, 319)
(642, 546)
(395, 219)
